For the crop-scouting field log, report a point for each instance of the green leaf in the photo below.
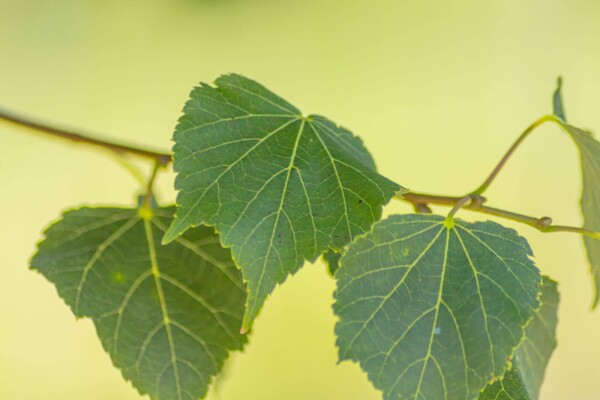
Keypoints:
(434, 309)
(510, 387)
(280, 188)
(332, 259)
(524, 379)
(589, 151)
(557, 103)
(167, 315)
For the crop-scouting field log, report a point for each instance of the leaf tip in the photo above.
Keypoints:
(171, 234)
(595, 301)
(558, 107)
(401, 192)
(246, 327)
(168, 238)
(248, 320)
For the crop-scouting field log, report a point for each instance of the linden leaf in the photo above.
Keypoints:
(525, 378)
(589, 151)
(167, 315)
(510, 387)
(279, 187)
(332, 260)
(434, 310)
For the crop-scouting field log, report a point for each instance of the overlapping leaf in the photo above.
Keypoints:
(589, 151)
(525, 378)
(280, 188)
(434, 310)
(510, 387)
(167, 315)
(332, 260)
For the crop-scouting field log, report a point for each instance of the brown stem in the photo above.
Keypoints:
(543, 224)
(162, 159)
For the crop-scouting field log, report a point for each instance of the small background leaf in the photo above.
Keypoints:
(589, 151)
(279, 187)
(525, 378)
(167, 315)
(432, 311)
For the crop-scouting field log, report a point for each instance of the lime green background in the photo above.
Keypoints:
(437, 89)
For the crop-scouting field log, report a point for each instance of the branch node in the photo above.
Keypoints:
(477, 201)
(544, 222)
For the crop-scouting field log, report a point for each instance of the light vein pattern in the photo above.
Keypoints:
(525, 378)
(433, 310)
(280, 188)
(510, 387)
(167, 315)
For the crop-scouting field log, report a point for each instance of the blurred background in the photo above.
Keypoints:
(437, 89)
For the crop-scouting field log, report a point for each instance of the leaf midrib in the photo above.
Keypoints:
(163, 307)
(397, 286)
(433, 327)
(290, 167)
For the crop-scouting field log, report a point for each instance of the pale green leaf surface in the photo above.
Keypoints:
(589, 151)
(280, 188)
(167, 315)
(525, 378)
(434, 311)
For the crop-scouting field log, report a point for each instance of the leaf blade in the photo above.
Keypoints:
(157, 310)
(589, 152)
(417, 302)
(279, 187)
(524, 379)
(558, 108)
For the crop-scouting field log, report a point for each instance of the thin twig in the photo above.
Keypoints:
(458, 205)
(161, 158)
(543, 224)
(582, 231)
(484, 186)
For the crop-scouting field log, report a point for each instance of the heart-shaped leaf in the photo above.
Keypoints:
(434, 308)
(167, 315)
(279, 187)
(524, 379)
